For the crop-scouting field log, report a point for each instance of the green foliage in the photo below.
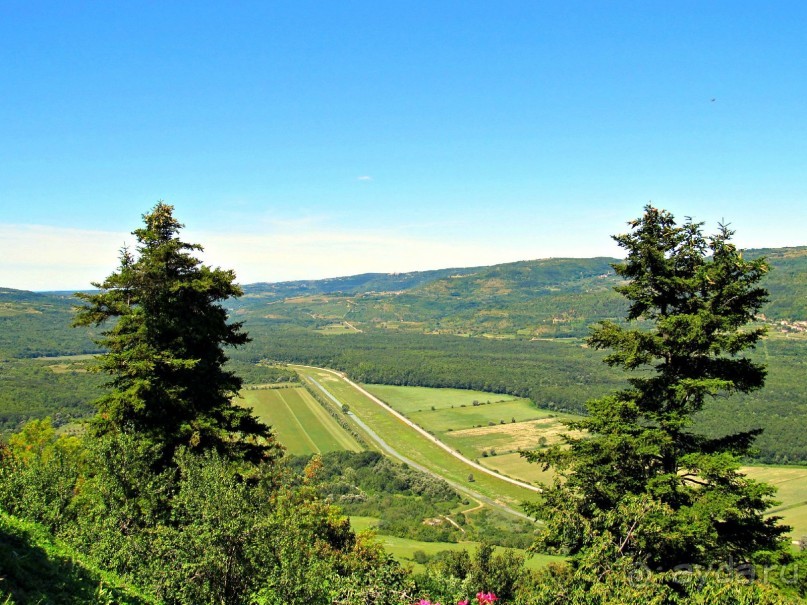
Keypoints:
(262, 373)
(204, 530)
(36, 568)
(36, 388)
(666, 495)
(165, 348)
(455, 576)
(603, 577)
(38, 474)
(409, 503)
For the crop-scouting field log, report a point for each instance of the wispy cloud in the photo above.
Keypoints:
(37, 257)
(49, 258)
(364, 178)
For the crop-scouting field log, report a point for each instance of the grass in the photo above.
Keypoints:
(403, 549)
(474, 430)
(505, 438)
(791, 483)
(299, 421)
(481, 415)
(37, 568)
(414, 446)
(414, 399)
(513, 465)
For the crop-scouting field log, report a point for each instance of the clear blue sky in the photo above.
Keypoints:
(313, 139)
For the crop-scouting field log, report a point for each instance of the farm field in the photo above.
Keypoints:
(513, 465)
(481, 415)
(303, 427)
(505, 439)
(403, 549)
(411, 444)
(299, 421)
(416, 399)
(476, 430)
(791, 483)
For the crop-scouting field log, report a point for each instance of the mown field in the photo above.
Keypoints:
(791, 483)
(299, 421)
(487, 427)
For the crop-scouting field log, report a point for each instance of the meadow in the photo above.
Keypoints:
(791, 483)
(299, 421)
(416, 399)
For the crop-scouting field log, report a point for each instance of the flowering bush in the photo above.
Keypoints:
(482, 598)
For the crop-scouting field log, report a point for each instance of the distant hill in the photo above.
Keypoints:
(528, 299)
(355, 284)
(786, 283)
(38, 325)
(558, 297)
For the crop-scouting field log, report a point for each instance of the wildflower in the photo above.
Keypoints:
(486, 598)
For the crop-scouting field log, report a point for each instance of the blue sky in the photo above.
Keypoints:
(314, 139)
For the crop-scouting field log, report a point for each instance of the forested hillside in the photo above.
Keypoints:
(413, 329)
(38, 325)
(528, 299)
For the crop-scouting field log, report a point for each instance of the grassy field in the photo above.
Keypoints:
(791, 481)
(478, 416)
(403, 549)
(300, 422)
(416, 399)
(475, 430)
(411, 444)
(513, 465)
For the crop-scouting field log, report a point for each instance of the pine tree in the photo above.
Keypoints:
(635, 474)
(165, 348)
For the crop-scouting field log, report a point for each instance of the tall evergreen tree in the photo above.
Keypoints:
(165, 348)
(635, 474)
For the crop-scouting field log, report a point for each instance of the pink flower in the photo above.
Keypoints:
(462, 602)
(486, 598)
